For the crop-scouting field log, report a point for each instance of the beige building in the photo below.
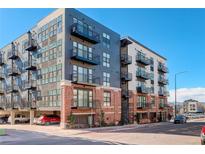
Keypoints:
(193, 106)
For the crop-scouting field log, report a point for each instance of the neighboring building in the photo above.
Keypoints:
(143, 83)
(67, 64)
(193, 106)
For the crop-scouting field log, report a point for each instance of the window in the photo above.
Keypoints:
(82, 74)
(106, 79)
(82, 50)
(152, 101)
(106, 40)
(106, 59)
(82, 98)
(141, 100)
(107, 99)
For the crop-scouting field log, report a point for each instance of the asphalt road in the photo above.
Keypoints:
(188, 129)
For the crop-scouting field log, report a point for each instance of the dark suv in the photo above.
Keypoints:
(3, 119)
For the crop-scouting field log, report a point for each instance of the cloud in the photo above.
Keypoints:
(187, 93)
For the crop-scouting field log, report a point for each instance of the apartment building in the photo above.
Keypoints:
(143, 83)
(193, 106)
(68, 65)
(72, 66)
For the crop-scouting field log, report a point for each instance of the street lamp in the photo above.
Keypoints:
(175, 107)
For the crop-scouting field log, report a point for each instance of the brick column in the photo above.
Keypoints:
(66, 100)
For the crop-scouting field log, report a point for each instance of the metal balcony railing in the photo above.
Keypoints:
(2, 76)
(12, 88)
(13, 71)
(126, 76)
(31, 45)
(85, 56)
(162, 68)
(163, 81)
(13, 54)
(142, 59)
(126, 59)
(142, 74)
(85, 33)
(30, 64)
(143, 89)
(84, 79)
(163, 93)
(2, 61)
(29, 84)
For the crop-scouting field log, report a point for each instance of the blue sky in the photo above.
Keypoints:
(177, 34)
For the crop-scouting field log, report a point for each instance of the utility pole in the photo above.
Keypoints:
(175, 79)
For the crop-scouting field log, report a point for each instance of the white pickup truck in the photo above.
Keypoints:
(19, 119)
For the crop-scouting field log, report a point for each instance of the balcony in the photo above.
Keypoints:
(31, 45)
(2, 91)
(30, 65)
(13, 71)
(2, 76)
(142, 74)
(142, 59)
(12, 89)
(143, 89)
(163, 81)
(84, 33)
(142, 105)
(126, 59)
(126, 76)
(86, 57)
(162, 68)
(29, 85)
(13, 54)
(163, 93)
(85, 79)
(2, 61)
(126, 94)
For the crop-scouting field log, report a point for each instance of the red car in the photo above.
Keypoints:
(48, 119)
(203, 135)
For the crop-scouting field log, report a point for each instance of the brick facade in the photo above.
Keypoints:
(111, 113)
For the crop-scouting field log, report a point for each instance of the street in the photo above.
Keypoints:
(148, 134)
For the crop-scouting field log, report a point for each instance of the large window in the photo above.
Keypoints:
(82, 98)
(82, 74)
(106, 40)
(107, 99)
(51, 74)
(82, 50)
(106, 59)
(106, 79)
(141, 99)
(51, 99)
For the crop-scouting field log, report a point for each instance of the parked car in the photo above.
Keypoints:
(3, 119)
(47, 120)
(20, 118)
(203, 135)
(180, 119)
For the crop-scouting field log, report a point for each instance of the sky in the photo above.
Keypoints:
(177, 34)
